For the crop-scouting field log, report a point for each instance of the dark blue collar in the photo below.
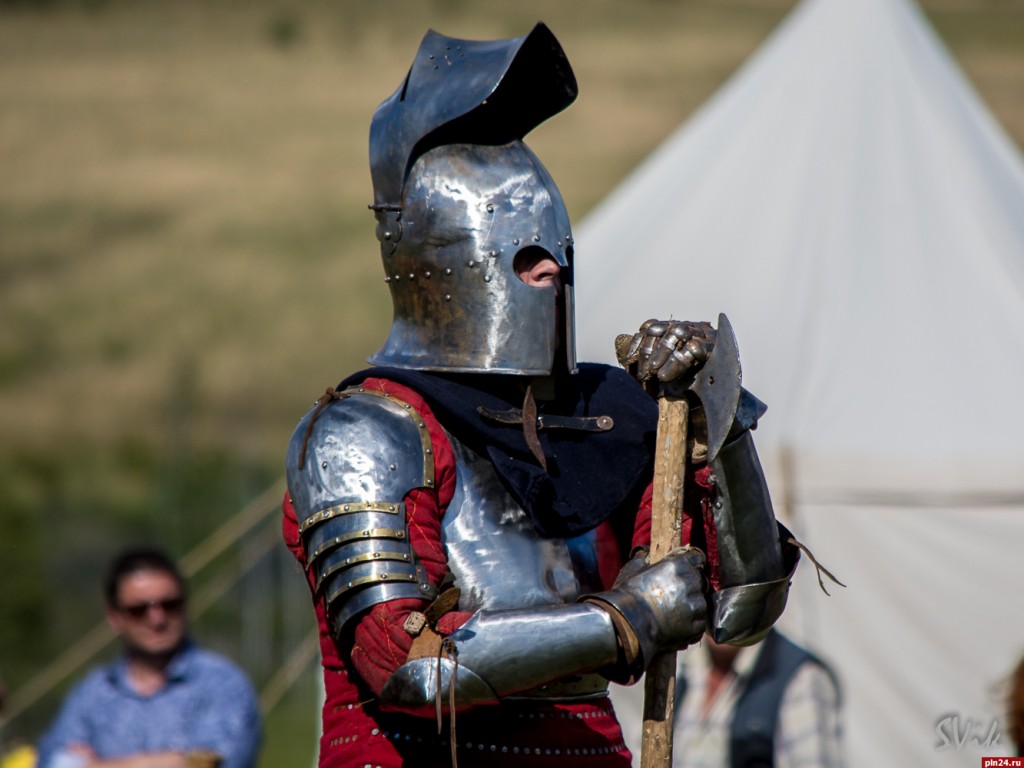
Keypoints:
(590, 475)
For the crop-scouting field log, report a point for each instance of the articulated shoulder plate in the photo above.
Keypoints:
(350, 465)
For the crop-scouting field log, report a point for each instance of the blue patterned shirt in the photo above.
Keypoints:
(208, 703)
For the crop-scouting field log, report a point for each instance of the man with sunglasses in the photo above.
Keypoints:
(165, 703)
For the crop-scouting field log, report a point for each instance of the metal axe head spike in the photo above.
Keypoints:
(717, 385)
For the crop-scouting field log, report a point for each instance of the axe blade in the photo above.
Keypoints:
(717, 384)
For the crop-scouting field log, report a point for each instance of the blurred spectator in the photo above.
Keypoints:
(165, 703)
(772, 704)
(1015, 707)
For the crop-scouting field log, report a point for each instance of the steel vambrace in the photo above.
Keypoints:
(754, 572)
(498, 654)
(746, 533)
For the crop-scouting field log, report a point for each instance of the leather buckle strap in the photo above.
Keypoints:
(546, 421)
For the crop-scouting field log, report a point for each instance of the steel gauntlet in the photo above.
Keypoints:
(655, 607)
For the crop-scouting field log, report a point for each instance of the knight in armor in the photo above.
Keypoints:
(472, 513)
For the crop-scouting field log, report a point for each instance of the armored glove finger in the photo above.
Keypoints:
(666, 349)
(657, 607)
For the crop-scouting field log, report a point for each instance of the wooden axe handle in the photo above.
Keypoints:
(670, 465)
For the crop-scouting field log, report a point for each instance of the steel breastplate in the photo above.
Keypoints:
(498, 558)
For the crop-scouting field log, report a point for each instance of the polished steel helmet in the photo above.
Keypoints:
(458, 196)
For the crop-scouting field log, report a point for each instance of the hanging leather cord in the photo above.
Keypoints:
(820, 568)
(328, 397)
(448, 650)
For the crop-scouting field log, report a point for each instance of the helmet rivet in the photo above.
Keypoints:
(387, 235)
(447, 297)
(492, 254)
(536, 238)
(487, 278)
(447, 270)
(427, 274)
(387, 279)
(397, 278)
(516, 241)
(490, 208)
(471, 263)
(412, 275)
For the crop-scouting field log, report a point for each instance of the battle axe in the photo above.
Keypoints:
(717, 386)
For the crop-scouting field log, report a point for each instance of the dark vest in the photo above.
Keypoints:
(752, 731)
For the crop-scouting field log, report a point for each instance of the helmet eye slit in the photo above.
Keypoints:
(536, 267)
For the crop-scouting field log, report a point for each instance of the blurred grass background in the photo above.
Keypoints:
(187, 261)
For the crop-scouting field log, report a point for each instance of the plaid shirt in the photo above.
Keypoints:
(807, 734)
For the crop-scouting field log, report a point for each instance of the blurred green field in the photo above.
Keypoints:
(186, 257)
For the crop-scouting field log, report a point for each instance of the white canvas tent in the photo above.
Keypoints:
(849, 203)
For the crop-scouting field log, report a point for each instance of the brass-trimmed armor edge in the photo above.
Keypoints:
(376, 578)
(375, 556)
(421, 426)
(367, 533)
(347, 508)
